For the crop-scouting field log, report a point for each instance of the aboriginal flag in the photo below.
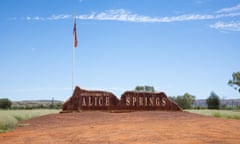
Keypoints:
(75, 41)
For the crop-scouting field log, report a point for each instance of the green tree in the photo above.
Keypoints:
(145, 88)
(235, 81)
(5, 103)
(149, 89)
(213, 101)
(185, 101)
(139, 88)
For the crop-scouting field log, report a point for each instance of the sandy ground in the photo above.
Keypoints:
(148, 127)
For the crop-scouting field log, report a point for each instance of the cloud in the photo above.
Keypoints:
(52, 17)
(227, 12)
(226, 26)
(36, 18)
(127, 16)
(59, 17)
(229, 9)
(227, 15)
(115, 15)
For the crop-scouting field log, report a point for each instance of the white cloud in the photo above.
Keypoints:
(59, 17)
(53, 17)
(229, 9)
(227, 26)
(227, 15)
(186, 17)
(28, 18)
(127, 16)
(36, 18)
(124, 15)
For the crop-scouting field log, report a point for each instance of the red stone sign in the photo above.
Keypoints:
(90, 100)
(147, 101)
(130, 100)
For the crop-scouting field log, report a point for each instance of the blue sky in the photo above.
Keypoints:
(176, 46)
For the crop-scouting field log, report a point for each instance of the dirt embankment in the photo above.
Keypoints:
(148, 127)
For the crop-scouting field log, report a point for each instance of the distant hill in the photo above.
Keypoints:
(225, 102)
(35, 103)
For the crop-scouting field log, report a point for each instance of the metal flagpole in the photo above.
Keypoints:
(73, 65)
(75, 44)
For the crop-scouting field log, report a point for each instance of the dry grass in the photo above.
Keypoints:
(218, 113)
(9, 118)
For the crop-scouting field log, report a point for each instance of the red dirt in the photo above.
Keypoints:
(148, 127)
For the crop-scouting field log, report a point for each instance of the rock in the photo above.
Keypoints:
(130, 100)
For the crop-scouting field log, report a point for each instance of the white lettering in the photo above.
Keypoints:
(83, 101)
(140, 99)
(90, 103)
(134, 101)
(107, 101)
(151, 101)
(157, 101)
(95, 101)
(164, 102)
(127, 101)
(100, 101)
(146, 101)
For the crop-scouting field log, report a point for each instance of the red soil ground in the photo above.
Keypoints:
(148, 127)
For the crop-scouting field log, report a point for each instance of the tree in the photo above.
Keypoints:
(235, 82)
(5, 103)
(213, 101)
(139, 88)
(185, 101)
(145, 88)
(149, 89)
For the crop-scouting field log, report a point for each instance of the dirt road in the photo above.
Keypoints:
(148, 127)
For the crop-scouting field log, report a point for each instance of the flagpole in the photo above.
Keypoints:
(73, 65)
(73, 51)
(75, 44)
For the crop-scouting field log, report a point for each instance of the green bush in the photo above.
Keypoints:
(217, 114)
(213, 101)
(185, 101)
(5, 103)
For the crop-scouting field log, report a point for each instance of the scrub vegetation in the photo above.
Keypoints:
(232, 114)
(9, 118)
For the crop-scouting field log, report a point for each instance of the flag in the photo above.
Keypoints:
(75, 41)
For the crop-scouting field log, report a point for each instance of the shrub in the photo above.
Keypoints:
(217, 114)
(5, 103)
(213, 101)
(184, 101)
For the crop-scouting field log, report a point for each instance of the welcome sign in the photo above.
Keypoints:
(130, 100)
